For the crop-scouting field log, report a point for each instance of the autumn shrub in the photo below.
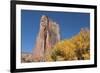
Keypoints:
(75, 48)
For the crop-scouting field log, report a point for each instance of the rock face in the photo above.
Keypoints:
(47, 37)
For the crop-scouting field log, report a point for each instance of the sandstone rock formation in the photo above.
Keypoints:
(26, 57)
(47, 37)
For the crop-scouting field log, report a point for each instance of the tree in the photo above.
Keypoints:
(75, 48)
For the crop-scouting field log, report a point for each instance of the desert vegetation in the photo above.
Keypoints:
(74, 48)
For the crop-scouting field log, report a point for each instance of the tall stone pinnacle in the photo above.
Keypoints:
(47, 37)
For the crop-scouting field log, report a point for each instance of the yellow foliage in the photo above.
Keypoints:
(75, 48)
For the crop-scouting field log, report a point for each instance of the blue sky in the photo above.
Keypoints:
(70, 24)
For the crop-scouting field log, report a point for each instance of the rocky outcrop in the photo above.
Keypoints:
(26, 57)
(47, 37)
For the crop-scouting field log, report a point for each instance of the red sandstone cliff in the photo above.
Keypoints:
(47, 37)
